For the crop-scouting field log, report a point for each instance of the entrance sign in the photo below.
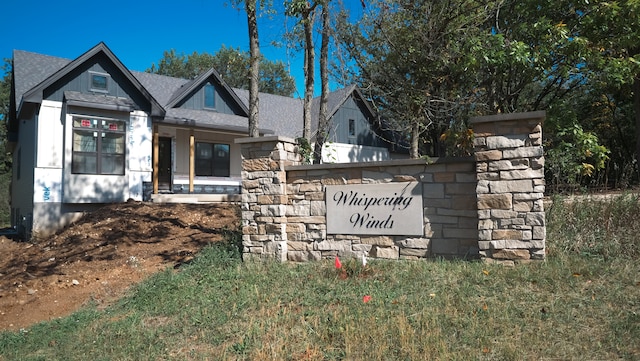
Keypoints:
(376, 209)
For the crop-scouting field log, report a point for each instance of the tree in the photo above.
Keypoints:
(616, 43)
(410, 57)
(233, 65)
(305, 10)
(323, 121)
(254, 69)
(5, 96)
(5, 156)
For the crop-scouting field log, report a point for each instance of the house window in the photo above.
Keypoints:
(352, 127)
(212, 159)
(99, 82)
(209, 96)
(98, 146)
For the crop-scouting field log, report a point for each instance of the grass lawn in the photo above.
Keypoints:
(582, 303)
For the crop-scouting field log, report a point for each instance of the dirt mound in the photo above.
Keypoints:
(100, 256)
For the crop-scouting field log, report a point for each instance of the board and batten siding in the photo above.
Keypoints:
(223, 102)
(79, 80)
(364, 135)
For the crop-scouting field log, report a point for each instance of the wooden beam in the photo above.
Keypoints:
(192, 160)
(156, 152)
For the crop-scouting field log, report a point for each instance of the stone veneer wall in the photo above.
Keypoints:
(510, 166)
(488, 206)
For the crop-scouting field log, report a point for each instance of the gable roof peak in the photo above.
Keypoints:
(35, 94)
(187, 88)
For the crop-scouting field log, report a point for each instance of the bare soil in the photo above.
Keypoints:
(99, 257)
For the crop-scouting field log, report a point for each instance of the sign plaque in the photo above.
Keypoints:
(375, 209)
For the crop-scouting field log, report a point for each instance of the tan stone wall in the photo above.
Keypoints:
(488, 206)
(449, 202)
(510, 171)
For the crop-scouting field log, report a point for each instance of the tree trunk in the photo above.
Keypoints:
(323, 122)
(309, 69)
(254, 70)
(636, 108)
(415, 139)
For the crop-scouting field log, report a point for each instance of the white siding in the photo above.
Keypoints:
(50, 135)
(139, 142)
(348, 153)
(47, 187)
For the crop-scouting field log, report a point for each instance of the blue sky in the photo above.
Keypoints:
(139, 31)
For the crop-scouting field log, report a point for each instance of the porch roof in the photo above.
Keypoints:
(209, 120)
(74, 98)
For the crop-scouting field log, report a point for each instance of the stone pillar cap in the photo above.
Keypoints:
(540, 114)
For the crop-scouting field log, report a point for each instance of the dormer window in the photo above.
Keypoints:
(99, 82)
(209, 96)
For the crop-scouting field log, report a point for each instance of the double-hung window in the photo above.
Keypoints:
(98, 146)
(212, 159)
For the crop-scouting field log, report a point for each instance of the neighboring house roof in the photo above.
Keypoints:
(279, 113)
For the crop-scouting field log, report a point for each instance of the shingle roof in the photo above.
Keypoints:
(30, 69)
(160, 86)
(34, 94)
(279, 113)
(99, 101)
(208, 119)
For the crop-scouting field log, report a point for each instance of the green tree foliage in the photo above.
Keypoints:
(412, 58)
(5, 94)
(232, 64)
(5, 156)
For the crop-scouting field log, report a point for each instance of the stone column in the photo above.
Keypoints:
(510, 172)
(264, 195)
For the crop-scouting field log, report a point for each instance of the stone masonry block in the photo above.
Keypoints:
(512, 164)
(377, 240)
(512, 254)
(522, 174)
(511, 186)
(327, 245)
(495, 201)
(539, 232)
(506, 234)
(488, 155)
(433, 190)
(295, 228)
(525, 152)
(421, 243)
(510, 141)
(535, 219)
(385, 252)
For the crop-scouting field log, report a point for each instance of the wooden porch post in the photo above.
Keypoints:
(192, 160)
(155, 159)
